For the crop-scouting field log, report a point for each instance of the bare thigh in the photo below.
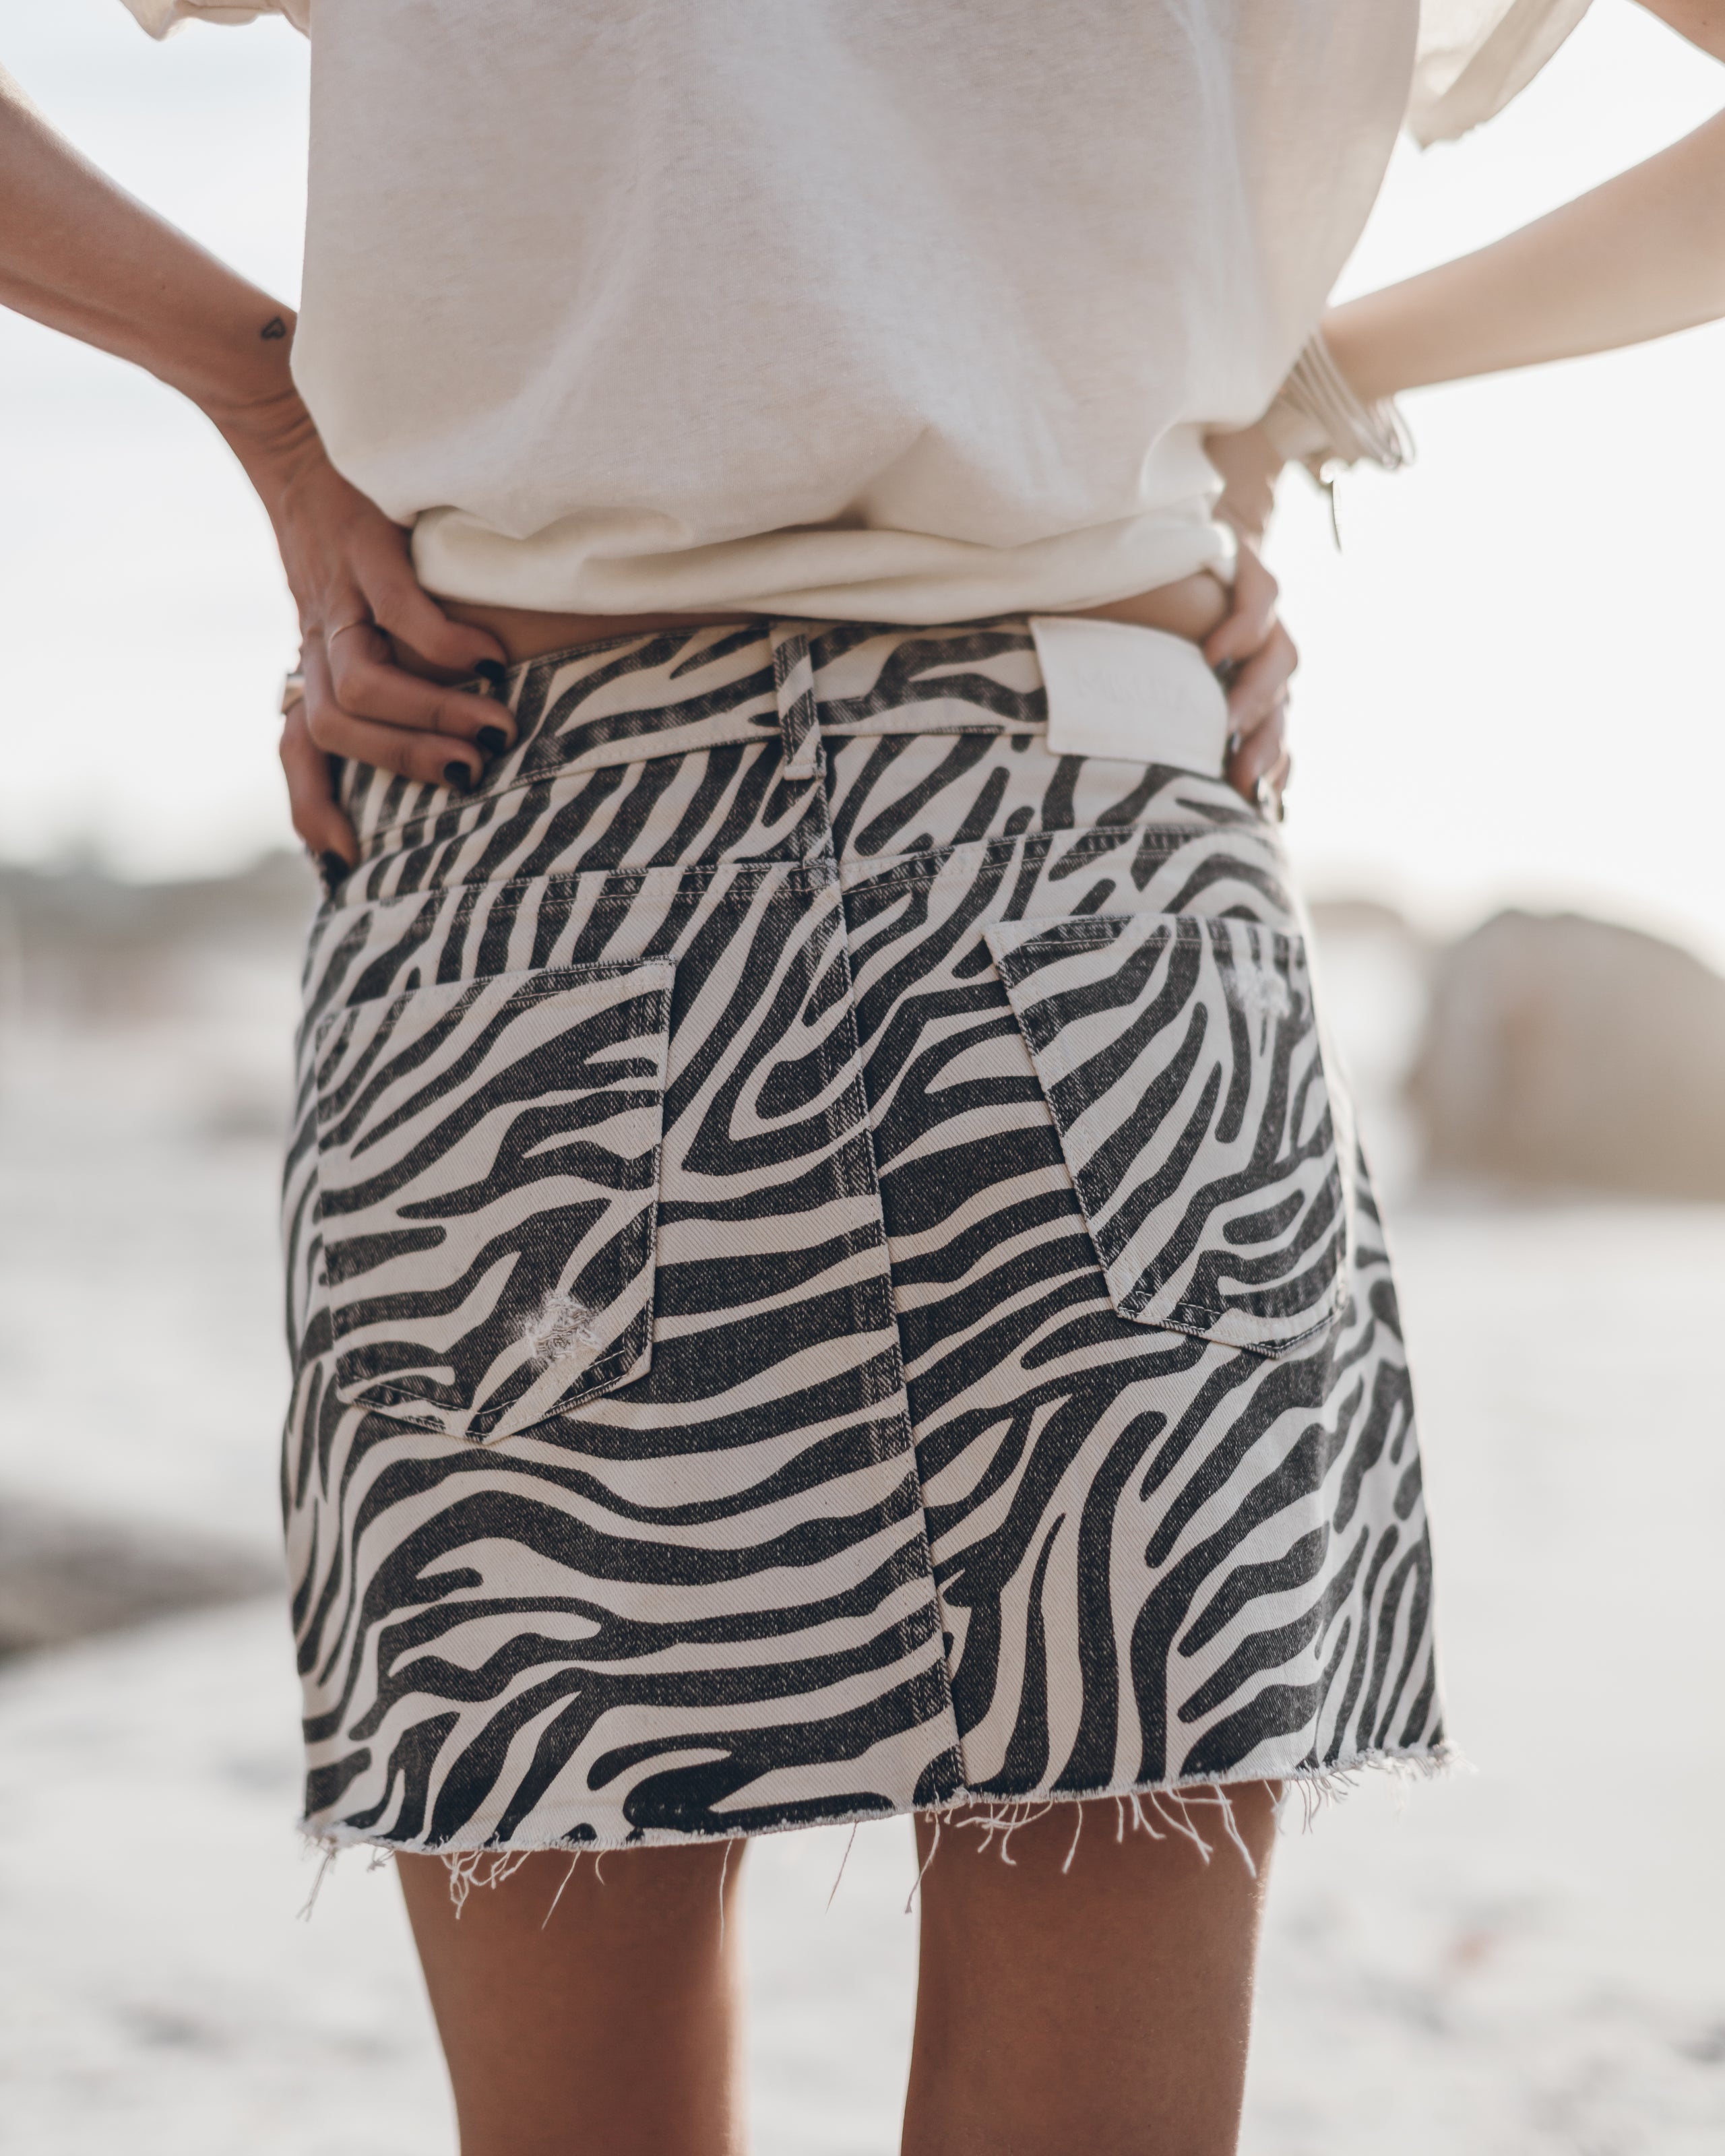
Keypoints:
(1100, 2005)
(607, 2025)
(1103, 2007)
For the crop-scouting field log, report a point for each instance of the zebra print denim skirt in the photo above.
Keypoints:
(830, 1275)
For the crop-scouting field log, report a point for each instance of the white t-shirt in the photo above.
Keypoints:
(908, 311)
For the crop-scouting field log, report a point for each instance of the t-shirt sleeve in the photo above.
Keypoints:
(1473, 55)
(159, 17)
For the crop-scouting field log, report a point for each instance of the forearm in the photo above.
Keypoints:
(80, 255)
(1638, 258)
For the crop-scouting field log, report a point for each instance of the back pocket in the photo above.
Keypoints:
(1180, 1060)
(488, 1174)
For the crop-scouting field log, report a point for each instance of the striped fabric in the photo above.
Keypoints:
(830, 1274)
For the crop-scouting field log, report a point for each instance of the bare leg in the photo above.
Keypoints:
(1104, 2010)
(613, 2029)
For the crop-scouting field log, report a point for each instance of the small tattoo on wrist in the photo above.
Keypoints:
(273, 328)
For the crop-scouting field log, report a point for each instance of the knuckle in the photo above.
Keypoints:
(392, 602)
(369, 698)
(466, 717)
(396, 753)
(1261, 675)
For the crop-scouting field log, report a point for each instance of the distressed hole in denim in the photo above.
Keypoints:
(562, 1330)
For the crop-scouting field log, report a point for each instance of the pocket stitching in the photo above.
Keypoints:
(600, 1373)
(1104, 929)
(616, 1360)
(600, 970)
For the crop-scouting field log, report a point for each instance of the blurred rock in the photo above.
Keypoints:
(65, 1575)
(79, 945)
(1342, 917)
(1372, 969)
(1560, 1050)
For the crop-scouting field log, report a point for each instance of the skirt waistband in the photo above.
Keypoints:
(675, 692)
(671, 692)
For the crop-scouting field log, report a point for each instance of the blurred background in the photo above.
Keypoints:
(1507, 732)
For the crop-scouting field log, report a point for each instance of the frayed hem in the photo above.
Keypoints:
(1162, 1808)
(1318, 1789)
(1157, 1809)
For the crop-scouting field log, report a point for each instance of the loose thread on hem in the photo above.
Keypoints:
(326, 1862)
(468, 1868)
(724, 1874)
(1157, 1811)
(921, 1869)
(849, 1845)
(999, 1821)
(558, 1896)
(1319, 1789)
(1077, 1830)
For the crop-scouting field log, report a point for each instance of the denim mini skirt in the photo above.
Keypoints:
(830, 1275)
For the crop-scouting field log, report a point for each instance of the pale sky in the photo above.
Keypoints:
(1509, 694)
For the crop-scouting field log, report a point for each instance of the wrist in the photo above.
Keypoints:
(273, 437)
(1351, 333)
(1320, 418)
(256, 408)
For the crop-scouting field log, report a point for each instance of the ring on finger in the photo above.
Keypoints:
(293, 691)
(331, 635)
(1267, 794)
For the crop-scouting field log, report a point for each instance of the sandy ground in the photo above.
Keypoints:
(1519, 1961)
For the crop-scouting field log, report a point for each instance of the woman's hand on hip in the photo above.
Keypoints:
(1250, 464)
(352, 578)
(1257, 658)
(82, 256)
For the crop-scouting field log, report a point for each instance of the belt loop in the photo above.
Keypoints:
(794, 687)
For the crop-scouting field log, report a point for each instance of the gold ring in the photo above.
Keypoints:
(331, 635)
(293, 692)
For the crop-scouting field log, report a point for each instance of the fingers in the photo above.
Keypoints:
(1258, 713)
(1262, 683)
(1249, 464)
(1247, 629)
(319, 823)
(1259, 767)
(1272, 787)
(1254, 756)
(396, 742)
(1259, 657)
(402, 605)
(365, 685)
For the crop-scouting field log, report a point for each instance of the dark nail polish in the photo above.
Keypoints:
(332, 869)
(489, 671)
(458, 776)
(492, 740)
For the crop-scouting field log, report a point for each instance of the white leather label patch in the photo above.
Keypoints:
(1136, 693)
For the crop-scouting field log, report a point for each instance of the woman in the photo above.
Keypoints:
(830, 1274)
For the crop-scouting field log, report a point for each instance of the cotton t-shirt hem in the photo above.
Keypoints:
(899, 576)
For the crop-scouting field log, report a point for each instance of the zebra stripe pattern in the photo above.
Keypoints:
(829, 1274)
